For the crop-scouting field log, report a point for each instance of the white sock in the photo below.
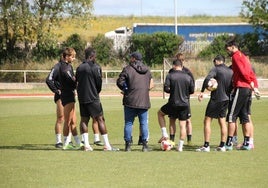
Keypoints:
(164, 132)
(58, 138)
(180, 145)
(106, 141)
(96, 137)
(66, 140)
(77, 140)
(85, 138)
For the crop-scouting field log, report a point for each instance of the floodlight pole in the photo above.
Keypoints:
(175, 11)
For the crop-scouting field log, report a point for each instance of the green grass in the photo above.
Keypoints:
(29, 159)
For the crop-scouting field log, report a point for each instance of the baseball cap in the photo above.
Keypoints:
(136, 55)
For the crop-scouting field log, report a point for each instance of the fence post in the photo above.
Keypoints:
(24, 77)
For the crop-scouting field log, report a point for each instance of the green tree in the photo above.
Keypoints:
(75, 41)
(256, 12)
(104, 49)
(30, 22)
(156, 46)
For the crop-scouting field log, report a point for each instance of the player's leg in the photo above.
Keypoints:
(72, 124)
(207, 133)
(172, 128)
(96, 133)
(189, 131)
(162, 124)
(58, 124)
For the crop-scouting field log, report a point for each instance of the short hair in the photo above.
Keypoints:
(219, 58)
(177, 62)
(68, 52)
(231, 42)
(89, 52)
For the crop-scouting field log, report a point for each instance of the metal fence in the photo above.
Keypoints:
(26, 78)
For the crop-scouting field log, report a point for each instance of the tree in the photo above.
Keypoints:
(49, 12)
(155, 46)
(30, 21)
(256, 12)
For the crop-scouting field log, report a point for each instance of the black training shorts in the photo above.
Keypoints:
(93, 109)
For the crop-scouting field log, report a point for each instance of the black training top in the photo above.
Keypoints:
(223, 75)
(180, 85)
(89, 82)
(53, 79)
(67, 80)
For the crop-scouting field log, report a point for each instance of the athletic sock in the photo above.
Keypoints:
(85, 138)
(180, 145)
(164, 132)
(229, 141)
(172, 137)
(221, 144)
(58, 138)
(246, 141)
(106, 141)
(96, 137)
(206, 144)
(77, 140)
(189, 137)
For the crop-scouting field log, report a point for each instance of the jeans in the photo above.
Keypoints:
(130, 114)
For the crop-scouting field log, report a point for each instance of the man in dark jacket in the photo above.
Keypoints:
(135, 81)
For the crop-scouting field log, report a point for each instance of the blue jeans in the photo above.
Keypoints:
(130, 114)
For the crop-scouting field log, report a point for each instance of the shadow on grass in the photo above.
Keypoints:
(31, 147)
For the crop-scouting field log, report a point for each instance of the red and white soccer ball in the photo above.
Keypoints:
(212, 84)
(167, 145)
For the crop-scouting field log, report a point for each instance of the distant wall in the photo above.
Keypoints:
(195, 32)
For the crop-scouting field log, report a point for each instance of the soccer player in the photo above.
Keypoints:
(68, 85)
(53, 84)
(172, 121)
(243, 82)
(89, 85)
(179, 85)
(218, 103)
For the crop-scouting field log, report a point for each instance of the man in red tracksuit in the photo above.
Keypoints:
(244, 81)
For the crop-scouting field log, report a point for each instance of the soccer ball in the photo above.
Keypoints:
(212, 84)
(167, 145)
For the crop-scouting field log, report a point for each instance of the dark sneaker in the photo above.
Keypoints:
(59, 145)
(145, 147)
(99, 143)
(140, 142)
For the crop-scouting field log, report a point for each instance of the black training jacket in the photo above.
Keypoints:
(89, 82)
(53, 79)
(179, 85)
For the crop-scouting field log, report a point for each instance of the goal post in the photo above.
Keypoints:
(167, 65)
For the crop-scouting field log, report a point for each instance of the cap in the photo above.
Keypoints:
(136, 55)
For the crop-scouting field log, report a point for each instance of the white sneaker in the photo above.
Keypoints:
(203, 149)
(88, 148)
(180, 148)
(221, 149)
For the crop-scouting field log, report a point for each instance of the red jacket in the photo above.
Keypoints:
(243, 73)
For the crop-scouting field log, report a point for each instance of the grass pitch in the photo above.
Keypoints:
(28, 157)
